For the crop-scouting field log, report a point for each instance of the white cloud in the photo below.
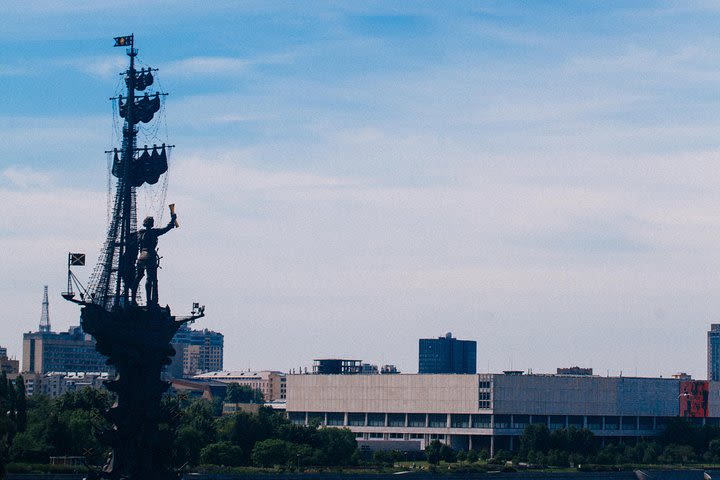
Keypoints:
(24, 178)
(207, 66)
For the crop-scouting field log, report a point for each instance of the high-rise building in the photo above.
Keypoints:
(71, 351)
(196, 352)
(45, 351)
(713, 352)
(447, 355)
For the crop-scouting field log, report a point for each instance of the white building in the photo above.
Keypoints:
(490, 411)
(271, 383)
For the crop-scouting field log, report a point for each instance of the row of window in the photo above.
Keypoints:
(440, 420)
(396, 436)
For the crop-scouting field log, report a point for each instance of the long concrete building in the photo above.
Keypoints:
(490, 411)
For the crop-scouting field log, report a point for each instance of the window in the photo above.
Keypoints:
(520, 421)
(396, 419)
(416, 419)
(297, 418)
(575, 421)
(335, 419)
(646, 423)
(628, 423)
(437, 420)
(480, 421)
(396, 436)
(612, 423)
(539, 419)
(594, 423)
(459, 421)
(359, 435)
(484, 384)
(416, 436)
(316, 418)
(376, 419)
(502, 421)
(484, 404)
(376, 435)
(356, 419)
(557, 422)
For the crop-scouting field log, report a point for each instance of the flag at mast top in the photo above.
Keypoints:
(126, 41)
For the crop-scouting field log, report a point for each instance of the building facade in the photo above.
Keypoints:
(713, 352)
(196, 352)
(447, 355)
(271, 383)
(8, 366)
(71, 351)
(55, 384)
(490, 411)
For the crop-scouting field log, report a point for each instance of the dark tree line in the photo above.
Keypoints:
(264, 439)
(13, 415)
(682, 442)
(40, 427)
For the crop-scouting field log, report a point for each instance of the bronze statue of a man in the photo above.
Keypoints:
(147, 259)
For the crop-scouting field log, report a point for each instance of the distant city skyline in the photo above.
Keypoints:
(541, 178)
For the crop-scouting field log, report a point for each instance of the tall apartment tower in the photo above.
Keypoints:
(197, 351)
(713, 352)
(447, 355)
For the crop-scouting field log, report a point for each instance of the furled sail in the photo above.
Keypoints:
(143, 79)
(148, 167)
(145, 108)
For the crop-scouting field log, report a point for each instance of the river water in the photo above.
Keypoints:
(652, 475)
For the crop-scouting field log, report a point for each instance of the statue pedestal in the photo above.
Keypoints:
(136, 341)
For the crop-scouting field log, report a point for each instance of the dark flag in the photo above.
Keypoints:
(126, 41)
(77, 259)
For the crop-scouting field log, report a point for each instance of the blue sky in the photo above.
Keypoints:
(350, 177)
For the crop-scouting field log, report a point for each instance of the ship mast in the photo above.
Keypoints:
(113, 276)
(128, 194)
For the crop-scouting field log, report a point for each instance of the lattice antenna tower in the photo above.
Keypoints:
(45, 315)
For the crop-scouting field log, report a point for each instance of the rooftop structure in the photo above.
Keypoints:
(447, 355)
(336, 366)
(574, 371)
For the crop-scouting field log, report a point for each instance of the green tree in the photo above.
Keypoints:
(270, 452)
(581, 441)
(244, 430)
(195, 430)
(535, 437)
(20, 404)
(678, 454)
(237, 393)
(334, 446)
(433, 452)
(472, 456)
(222, 453)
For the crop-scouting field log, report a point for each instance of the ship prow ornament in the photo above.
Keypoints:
(134, 336)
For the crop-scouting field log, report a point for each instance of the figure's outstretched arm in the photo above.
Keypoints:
(168, 227)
